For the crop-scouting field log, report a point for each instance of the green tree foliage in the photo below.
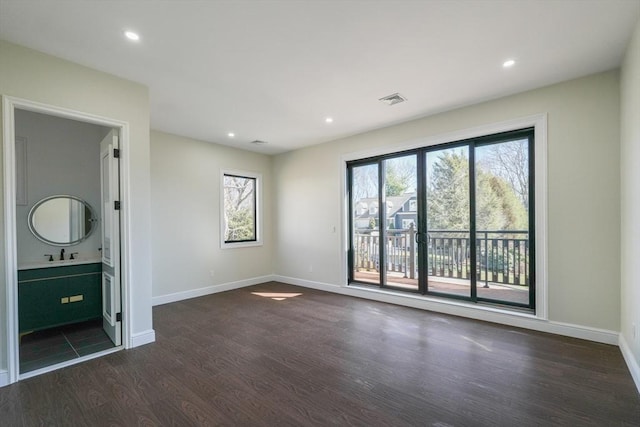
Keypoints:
(396, 183)
(448, 193)
(498, 206)
(373, 223)
(240, 225)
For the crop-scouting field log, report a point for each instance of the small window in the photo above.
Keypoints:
(413, 205)
(362, 208)
(408, 223)
(240, 203)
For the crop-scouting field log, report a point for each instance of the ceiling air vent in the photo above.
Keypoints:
(258, 142)
(396, 98)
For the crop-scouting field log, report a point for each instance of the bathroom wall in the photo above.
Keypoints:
(38, 77)
(62, 157)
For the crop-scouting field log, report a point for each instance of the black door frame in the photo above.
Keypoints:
(422, 229)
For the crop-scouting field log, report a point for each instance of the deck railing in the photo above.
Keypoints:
(502, 255)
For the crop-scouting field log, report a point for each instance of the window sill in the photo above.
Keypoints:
(240, 245)
(431, 302)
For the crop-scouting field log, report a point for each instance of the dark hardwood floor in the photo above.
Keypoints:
(241, 359)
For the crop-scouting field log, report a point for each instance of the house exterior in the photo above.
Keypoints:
(401, 212)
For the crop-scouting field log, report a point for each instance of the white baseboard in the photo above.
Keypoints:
(456, 308)
(4, 378)
(142, 338)
(194, 293)
(632, 362)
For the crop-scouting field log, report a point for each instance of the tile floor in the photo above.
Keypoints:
(56, 345)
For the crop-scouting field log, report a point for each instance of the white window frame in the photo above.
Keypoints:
(258, 220)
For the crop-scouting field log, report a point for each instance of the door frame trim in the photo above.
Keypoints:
(9, 104)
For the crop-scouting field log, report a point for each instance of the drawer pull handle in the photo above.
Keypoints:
(76, 298)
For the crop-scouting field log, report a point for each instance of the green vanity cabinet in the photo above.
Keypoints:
(55, 296)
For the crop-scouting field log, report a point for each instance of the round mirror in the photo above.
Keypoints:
(62, 220)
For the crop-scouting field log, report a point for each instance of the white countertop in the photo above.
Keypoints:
(66, 262)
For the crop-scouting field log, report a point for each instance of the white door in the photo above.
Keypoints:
(110, 195)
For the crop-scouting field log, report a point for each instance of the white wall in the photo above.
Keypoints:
(42, 78)
(185, 220)
(630, 204)
(583, 194)
(63, 157)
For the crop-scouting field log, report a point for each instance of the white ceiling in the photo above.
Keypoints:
(274, 70)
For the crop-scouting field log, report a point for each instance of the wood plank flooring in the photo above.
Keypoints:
(321, 359)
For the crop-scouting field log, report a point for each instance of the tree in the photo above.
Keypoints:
(448, 192)
(373, 223)
(239, 208)
(498, 206)
(395, 184)
(510, 161)
(365, 181)
(400, 176)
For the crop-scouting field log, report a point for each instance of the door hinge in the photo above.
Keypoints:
(119, 317)
(116, 153)
(116, 205)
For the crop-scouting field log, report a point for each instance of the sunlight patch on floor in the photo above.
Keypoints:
(278, 296)
(484, 347)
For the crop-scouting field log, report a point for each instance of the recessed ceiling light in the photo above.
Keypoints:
(509, 63)
(328, 120)
(231, 134)
(132, 36)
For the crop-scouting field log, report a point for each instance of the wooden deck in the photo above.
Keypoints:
(496, 291)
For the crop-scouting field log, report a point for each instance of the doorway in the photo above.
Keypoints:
(64, 305)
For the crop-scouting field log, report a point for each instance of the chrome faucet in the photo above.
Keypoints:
(62, 254)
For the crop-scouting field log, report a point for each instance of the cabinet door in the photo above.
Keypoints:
(49, 302)
(90, 307)
(39, 305)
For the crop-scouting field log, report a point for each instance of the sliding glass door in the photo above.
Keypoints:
(448, 235)
(504, 219)
(453, 220)
(401, 251)
(365, 221)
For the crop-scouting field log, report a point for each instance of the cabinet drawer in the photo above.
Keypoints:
(40, 300)
(67, 270)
